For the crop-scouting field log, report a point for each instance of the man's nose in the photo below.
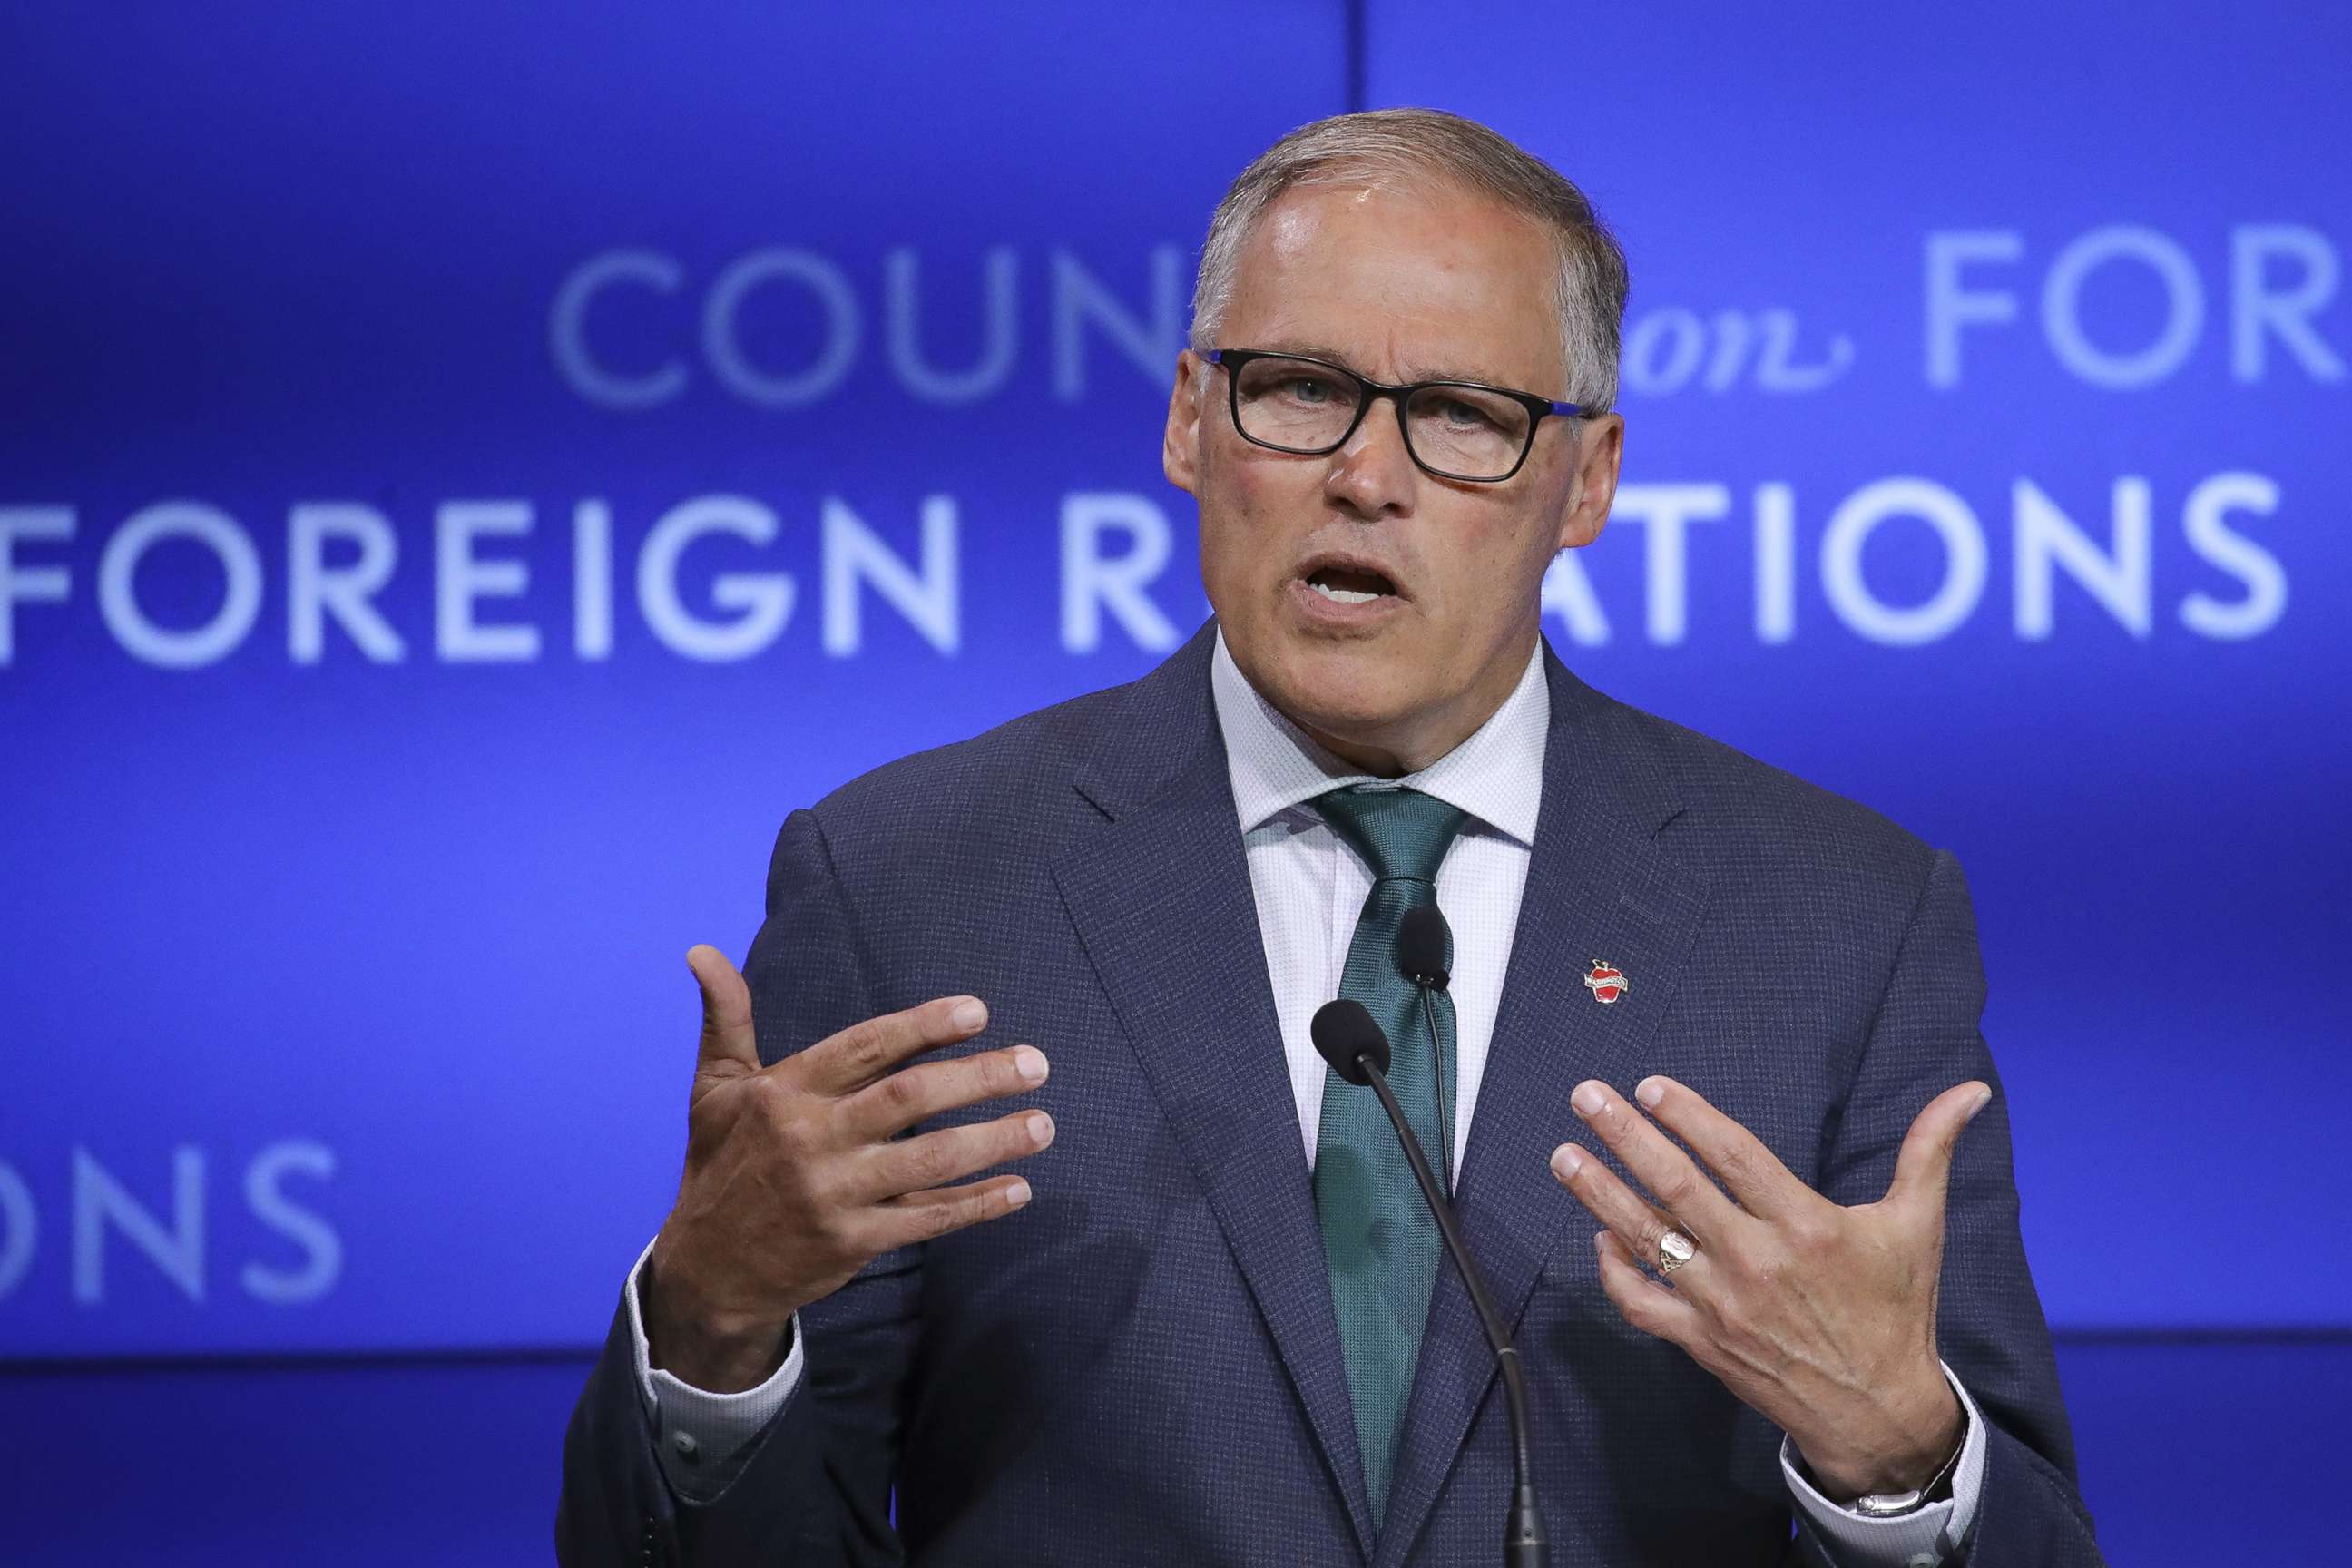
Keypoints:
(1373, 474)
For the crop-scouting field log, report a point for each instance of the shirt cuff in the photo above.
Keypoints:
(1925, 1538)
(698, 1436)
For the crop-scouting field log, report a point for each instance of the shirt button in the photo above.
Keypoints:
(1923, 1559)
(687, 1449)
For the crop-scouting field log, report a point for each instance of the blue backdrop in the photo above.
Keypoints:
(464, 478)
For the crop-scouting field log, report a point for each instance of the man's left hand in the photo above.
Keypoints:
(1820, 1318)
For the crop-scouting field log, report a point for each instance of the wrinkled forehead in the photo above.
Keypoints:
(1403, 280)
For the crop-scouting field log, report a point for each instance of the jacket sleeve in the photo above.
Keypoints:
(1990, 1328)
(813, 1487)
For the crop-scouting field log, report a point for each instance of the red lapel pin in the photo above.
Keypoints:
(1605, 981)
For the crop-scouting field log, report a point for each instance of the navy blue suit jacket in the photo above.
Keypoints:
(1142, 1366)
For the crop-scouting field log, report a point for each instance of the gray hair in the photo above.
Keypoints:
(1408, 144)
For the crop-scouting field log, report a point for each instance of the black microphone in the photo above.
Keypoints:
(1424, 953)
(1348, 1038)
(1424, 946)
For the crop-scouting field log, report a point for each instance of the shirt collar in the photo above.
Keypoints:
(1496, 775)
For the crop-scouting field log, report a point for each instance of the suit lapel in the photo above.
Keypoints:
(1598, 887)
(1160, 896)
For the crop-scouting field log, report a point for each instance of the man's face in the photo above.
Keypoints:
(1399, 286)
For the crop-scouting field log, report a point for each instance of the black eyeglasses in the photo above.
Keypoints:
(1453, 429)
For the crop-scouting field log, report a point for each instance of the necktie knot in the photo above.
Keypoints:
(1399, 832)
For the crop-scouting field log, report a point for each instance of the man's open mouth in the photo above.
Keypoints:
(1350, 584)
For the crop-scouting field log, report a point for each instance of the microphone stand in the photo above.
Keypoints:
(1524, 1545)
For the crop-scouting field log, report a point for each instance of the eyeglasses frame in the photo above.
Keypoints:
(1537, 405)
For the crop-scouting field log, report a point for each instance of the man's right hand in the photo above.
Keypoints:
(795, 1178)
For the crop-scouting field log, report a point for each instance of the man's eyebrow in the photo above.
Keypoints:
(1324, 351)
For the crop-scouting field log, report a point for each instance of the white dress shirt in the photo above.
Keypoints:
(1310, 886)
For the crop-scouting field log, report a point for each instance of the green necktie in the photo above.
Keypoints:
(1379, 1242)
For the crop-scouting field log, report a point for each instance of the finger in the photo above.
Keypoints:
(1635, 1221)
(1678, 1185)
(899, 1100)
(726, 1012)
(845, 1062)
(1923, 1168)
(933, 1160)
(928, 1216)
(1748, 1170)
(1649, 1304)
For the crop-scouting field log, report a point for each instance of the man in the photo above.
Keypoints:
(1168, 1338)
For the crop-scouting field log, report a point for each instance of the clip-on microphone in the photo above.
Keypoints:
(1424, 948)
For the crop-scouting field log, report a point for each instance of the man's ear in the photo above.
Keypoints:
(1179, 447)
(1599, 447)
